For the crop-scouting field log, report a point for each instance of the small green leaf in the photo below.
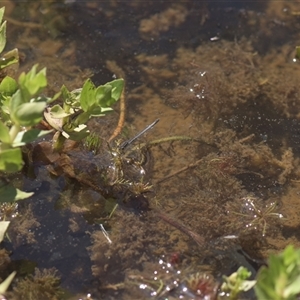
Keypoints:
(78, 134)
(9, 193)
(293, 288)
(3, 228)
(65, 93)
(32, 83)
(57, 112)
(4, 134)
(82, 118)
(105, 110)
(25, 137)
(96, 111)
(2, 36)
(11, 160)
(29, 114)
(100, 111)
(117, 88)
(5, 107)
(75, 94)
(9, 58)
(22, 195)
(8, 86)
(40, 99)
(243, 273)
(247, 285)
(6, 283)
(237, 282)
(103, 95)
(15, 102)
(2, 10)
(87, 95)
(38, 83)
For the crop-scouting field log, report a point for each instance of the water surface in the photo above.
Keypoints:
(222, 74)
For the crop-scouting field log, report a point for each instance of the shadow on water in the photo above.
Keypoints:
(202, 69)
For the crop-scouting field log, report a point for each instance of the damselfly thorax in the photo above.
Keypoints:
(129, 162)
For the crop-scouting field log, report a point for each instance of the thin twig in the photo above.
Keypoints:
(114, 68)
(164, 140)
(23, 24)
(121, 122)
(170, 220)
(179, 171)
(247, 138)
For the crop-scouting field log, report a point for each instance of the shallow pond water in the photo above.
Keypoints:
(222, 79)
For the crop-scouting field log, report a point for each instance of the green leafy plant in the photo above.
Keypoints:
(21, 108)
(236, 283)
(258, 216)
(281, 279)
(79, 106)
(12, 56)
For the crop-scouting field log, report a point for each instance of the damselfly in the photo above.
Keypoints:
(128, 165)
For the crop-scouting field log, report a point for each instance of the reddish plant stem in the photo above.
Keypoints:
(170, 220)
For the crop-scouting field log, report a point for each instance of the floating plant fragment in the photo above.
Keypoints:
(257, 216)
(237, 283)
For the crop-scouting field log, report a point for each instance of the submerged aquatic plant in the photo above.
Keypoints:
(22, 107)
(8, 211)
(93, 143)
(70, 119)
(44, 284)
(256, 216)
(202, 286)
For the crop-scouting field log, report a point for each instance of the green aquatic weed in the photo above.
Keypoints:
(11, 57)
(93, 143)
(237, 283)
(79, 106)
(257, 216)
(23, 106)
(281, 279)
